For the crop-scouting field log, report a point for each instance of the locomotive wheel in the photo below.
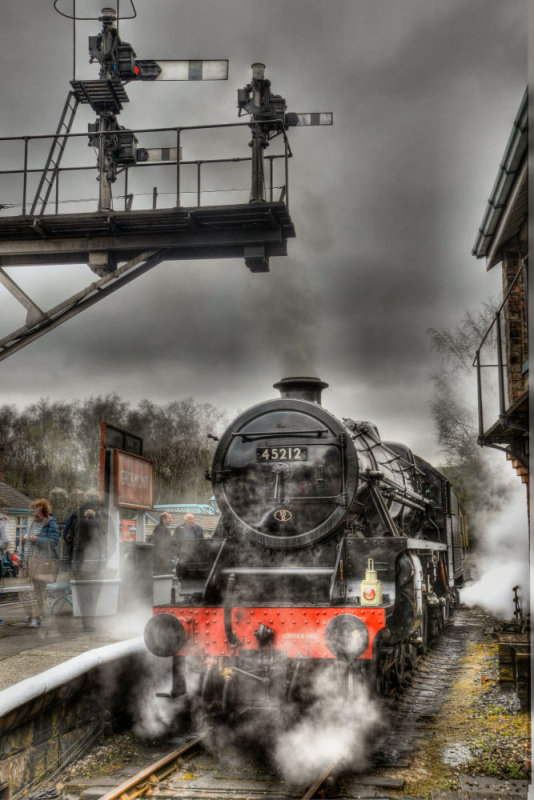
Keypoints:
(387, 682)
(230, 700)
(210, 697)
(207, 693)
(411, 656)
(400, 664)
(382, 676)
(375, 674)
(423, 646)
(435, 625)
(446, 610)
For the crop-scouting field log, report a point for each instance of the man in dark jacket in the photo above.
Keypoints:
(188, 529)
(164, 546)
(90, 551)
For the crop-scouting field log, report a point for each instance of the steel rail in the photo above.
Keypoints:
(147, 772)
(314, 788)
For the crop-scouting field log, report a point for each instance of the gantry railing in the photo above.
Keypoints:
(22, 200)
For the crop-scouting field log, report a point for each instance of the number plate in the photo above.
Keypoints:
(282, 454)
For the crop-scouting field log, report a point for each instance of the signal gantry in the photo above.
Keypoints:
(122, 244)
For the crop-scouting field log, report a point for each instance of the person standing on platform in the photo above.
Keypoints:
(77, 501)
(188, 529)
(41, 554)
(4, 533)
(164, 546)
(90, 550)
(4, 530)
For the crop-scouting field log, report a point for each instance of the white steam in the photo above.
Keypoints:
(500, 559)
(335, 729)
(154, 716)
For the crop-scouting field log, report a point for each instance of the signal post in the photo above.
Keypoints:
(120, 245)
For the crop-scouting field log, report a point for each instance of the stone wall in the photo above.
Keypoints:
(38, 737)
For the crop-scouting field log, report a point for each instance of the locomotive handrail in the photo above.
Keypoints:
(231, 637)
(214, 567)
(278, 571)
(338, 570)
(393, 494)
(277, 434)
(329, 498)
(397, 487)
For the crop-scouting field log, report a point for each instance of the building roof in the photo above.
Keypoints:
(206, 514)
(208, 522)
(16, 500)
(507, 208)
(186, 508)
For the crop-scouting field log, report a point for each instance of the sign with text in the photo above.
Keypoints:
(133, 481)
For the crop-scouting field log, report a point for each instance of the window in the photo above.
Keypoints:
(21, 524)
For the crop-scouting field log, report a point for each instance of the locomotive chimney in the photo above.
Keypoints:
(301, 389)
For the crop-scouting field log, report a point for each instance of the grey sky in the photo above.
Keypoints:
(386, 203)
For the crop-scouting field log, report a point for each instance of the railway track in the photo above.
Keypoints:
(146, 780)
(411, 709)
(155, 780)
(191, 772)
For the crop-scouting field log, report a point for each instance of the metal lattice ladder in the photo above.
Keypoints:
(53, 161)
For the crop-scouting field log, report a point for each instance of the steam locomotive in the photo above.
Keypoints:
(333, 548)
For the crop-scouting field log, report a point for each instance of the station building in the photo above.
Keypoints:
(502, 356)
(206, 515)
(18, 512)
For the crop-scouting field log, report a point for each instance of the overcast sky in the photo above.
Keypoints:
(386, 203)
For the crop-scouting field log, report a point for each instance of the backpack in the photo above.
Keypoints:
(7, 568)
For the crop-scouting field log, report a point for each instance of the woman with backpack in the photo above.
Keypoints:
(41, 553)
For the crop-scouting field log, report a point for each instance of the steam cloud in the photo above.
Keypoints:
(500, 558)
(301, 741)
(155, 716)
(335, 729)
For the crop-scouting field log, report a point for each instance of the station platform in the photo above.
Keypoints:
(26, 652)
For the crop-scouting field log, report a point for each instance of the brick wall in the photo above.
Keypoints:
(515, 326)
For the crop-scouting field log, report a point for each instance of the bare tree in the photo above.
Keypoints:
(57, 444)
(455, 417)
(453, 407)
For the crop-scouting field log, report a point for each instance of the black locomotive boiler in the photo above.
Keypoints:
(333, 548)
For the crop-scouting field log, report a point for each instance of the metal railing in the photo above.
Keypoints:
(176, 133)
(495, 329)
